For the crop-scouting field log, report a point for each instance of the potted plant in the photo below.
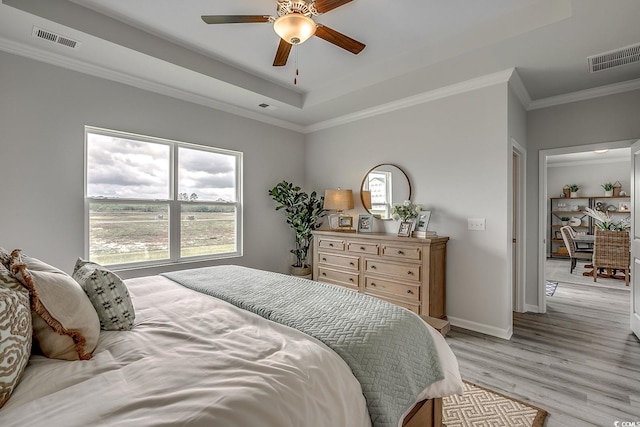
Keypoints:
(304, 214)
(608, 189)
(564, 220)
(573, 189)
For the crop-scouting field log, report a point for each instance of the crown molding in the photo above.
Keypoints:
(586, 94)
(520, 89)
(52, 58)
(422, 98)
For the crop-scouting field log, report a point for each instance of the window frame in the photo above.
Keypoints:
(174, 204)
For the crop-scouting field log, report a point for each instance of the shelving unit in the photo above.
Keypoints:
(574, 207)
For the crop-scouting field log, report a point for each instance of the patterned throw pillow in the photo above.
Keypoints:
(108, 294)
(65, 324)
(15, 332)
(5, 258)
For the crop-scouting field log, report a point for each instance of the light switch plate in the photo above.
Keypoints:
(476, 224)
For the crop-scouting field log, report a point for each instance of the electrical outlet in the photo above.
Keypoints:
(476, 224)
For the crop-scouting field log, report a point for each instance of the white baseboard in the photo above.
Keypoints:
(531, 308)
(482, 328)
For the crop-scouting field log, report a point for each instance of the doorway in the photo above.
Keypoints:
(561, 157)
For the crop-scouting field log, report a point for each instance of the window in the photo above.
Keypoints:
(151, 200)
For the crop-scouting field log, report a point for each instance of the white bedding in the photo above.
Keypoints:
(194, 360)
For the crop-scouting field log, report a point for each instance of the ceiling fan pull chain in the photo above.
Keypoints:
(295, 79)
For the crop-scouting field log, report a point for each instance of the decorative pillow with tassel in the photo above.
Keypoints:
(65, 324)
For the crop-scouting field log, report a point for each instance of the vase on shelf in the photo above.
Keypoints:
(574, 194)
(608, 193)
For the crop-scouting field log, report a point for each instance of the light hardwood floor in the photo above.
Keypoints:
(579, 361)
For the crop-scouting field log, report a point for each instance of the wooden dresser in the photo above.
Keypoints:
(406, 271)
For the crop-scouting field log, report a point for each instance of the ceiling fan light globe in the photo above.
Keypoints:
(294, 28)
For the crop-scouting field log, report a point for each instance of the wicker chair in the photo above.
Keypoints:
(574, 253)
(611, 251)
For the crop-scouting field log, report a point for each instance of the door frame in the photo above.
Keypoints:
(542, 204)
(634, 321)
(520, 217)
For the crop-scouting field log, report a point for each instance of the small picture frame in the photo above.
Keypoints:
(423, 220)
(345, 222)
(558, 235)
(405, 229)
(623, 207)
(365, 223)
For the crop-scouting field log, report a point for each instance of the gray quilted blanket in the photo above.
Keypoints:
(388, 348)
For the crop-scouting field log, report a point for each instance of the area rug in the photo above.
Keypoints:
(483, 407)
(551, 288)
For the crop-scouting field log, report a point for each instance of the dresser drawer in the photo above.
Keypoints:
(403, 252)
(335, 244)
(344, 261)
(400, 271)
(401, 290)
(363, 247)
(406, 304)
(344, 278)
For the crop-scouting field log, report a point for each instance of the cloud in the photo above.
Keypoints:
(126, 168)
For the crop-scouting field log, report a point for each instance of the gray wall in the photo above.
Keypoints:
(43, 110)
(609, 118)
(455, 152)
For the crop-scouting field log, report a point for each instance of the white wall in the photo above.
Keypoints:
(43, 111)
(455, 153)
(608, 118)
(590, 176)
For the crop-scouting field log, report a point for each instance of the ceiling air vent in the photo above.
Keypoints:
(54, 38)
(615, 58)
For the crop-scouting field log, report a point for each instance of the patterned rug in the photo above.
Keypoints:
(551, 288)
(482, 407)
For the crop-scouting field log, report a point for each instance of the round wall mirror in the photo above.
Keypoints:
(382, 187)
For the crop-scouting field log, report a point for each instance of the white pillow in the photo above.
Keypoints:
(65, 324)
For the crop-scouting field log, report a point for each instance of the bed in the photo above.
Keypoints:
(193, 359)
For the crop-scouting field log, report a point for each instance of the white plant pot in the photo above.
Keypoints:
(608, 193)
(565, 222)
(574, 194)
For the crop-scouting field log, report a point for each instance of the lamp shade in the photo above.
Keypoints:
(339, 200)
(294, 28)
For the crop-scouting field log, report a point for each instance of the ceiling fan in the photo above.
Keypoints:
(294, 25)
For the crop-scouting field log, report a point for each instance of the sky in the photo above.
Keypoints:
(124, 168)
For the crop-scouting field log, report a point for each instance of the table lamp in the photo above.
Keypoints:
(339, 200)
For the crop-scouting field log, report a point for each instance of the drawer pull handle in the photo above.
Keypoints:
(351, 263)
(324, 259)
(324, 274)
(362, 248)
(331, 244)
(351, 279)
(410, 273)
(400, 253)
(373, 284)
(409, 291)
(373, 267)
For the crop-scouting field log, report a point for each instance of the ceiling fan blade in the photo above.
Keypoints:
(324, 6)
(282, 54)
(234, 19)
(339, 39)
